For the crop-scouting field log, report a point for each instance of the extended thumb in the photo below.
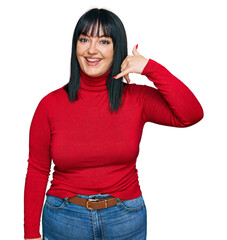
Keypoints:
(134, 50)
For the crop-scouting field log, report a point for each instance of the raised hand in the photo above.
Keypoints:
(132, 64)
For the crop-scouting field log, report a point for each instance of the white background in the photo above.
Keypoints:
(182, 172)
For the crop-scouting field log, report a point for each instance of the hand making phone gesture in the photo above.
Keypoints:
(132, 64)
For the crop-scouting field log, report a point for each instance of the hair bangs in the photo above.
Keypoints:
(94, 22)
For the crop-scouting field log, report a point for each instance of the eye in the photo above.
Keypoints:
(82, 39)
(105, 41)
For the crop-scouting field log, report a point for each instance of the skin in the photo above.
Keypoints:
(132, 64)
(102, 47)
(98, 48)
(95, 47)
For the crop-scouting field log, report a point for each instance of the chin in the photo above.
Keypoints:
(93, 72)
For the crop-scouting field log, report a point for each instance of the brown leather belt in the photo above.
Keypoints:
(95, 203)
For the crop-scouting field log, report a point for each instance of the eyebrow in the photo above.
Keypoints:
(85, 34)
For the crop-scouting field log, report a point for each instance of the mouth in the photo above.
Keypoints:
(92, 61)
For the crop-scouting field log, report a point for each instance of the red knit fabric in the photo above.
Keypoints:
(94, 150)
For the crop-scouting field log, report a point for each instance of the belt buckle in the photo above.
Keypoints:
(91, 200)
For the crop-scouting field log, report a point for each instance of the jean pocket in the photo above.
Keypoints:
(55, 202)
(133, 204)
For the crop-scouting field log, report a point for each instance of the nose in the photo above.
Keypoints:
(92, 48)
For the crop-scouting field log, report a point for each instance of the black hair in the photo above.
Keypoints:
(114, 28)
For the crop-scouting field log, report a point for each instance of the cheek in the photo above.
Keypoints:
(79, 56)
(111, 58)
(109, 54)
(79, 50)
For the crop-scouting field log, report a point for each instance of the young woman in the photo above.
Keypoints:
(91, 129)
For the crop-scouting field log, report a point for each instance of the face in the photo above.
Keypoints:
(95, 54)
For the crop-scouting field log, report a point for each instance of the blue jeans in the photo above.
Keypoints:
(63, 220)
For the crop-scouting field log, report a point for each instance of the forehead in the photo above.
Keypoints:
(95, 30)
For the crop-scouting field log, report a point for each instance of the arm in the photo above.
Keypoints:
(172, 103)
(33, 239)
(39, 163)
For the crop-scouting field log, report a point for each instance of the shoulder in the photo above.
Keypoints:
(139, 94)
(50, 98)
(139, 90)
(134, 88)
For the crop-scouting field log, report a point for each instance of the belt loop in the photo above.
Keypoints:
(66, 200)
(118, 201)
(106, 205)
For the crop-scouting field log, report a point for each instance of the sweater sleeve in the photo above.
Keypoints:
(38, 170)
(172, 103)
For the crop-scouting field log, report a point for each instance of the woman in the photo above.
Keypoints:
(91, 128)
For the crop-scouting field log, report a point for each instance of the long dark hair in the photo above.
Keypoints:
(114, 28)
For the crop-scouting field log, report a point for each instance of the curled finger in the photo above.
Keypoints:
(127, 78)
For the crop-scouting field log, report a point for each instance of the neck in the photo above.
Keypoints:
(93, 83)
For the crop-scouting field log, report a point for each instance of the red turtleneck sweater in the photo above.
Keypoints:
(93, 150)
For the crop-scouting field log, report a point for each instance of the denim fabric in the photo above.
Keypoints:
(63, 220)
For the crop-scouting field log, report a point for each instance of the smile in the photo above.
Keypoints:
(92, 61)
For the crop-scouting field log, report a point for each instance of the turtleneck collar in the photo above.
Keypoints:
(93, 83)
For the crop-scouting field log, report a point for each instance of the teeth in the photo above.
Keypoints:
(93, 60)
